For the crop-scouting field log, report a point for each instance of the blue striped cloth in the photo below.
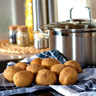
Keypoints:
(86, 84)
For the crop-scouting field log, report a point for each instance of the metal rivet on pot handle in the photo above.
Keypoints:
(43, 29)
(84, 7)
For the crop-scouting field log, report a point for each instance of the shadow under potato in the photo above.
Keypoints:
(3, 64)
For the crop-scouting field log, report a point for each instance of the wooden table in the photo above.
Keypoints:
(7, 51)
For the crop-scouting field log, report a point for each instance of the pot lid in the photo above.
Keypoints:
(75, 25)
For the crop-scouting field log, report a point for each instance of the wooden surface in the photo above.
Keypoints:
(12, 52)
(6, 47)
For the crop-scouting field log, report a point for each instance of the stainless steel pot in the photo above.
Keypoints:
(75, 38)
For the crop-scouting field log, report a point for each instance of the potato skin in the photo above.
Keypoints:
(22, 65)
(57, 68)
(34, 68)
(10, 71)
(49, 62)
(74, 64)
(36, 61)
(45, 77)
(23, 78)
(68, 76)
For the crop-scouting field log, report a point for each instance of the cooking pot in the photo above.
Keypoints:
(74, 38)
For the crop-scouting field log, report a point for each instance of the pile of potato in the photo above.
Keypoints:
(44, 72)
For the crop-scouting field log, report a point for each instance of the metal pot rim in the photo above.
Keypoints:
(74, 30)
(64, 26)
(84, 23)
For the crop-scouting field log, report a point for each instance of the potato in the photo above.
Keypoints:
(22, 65)
(34, 68)
(45, 77)
(36, 61)
(49, 62)
(68, 76)
(57, 68)
(23, 78)
(10, 71)
(74, 64)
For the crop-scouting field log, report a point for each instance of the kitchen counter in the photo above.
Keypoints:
(5, 56)
(8, 56)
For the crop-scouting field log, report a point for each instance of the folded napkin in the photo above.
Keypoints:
(86, 84)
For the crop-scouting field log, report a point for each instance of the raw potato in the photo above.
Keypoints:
(34, 68)
(45, 77)
(10, 71)
(68, 76)
(23, 78)
(74, 64)
(49, 62)
(57, 68)
(22, 65)
(36, 61)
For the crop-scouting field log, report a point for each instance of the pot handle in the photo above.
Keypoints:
(44, 29)
(85, 7)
